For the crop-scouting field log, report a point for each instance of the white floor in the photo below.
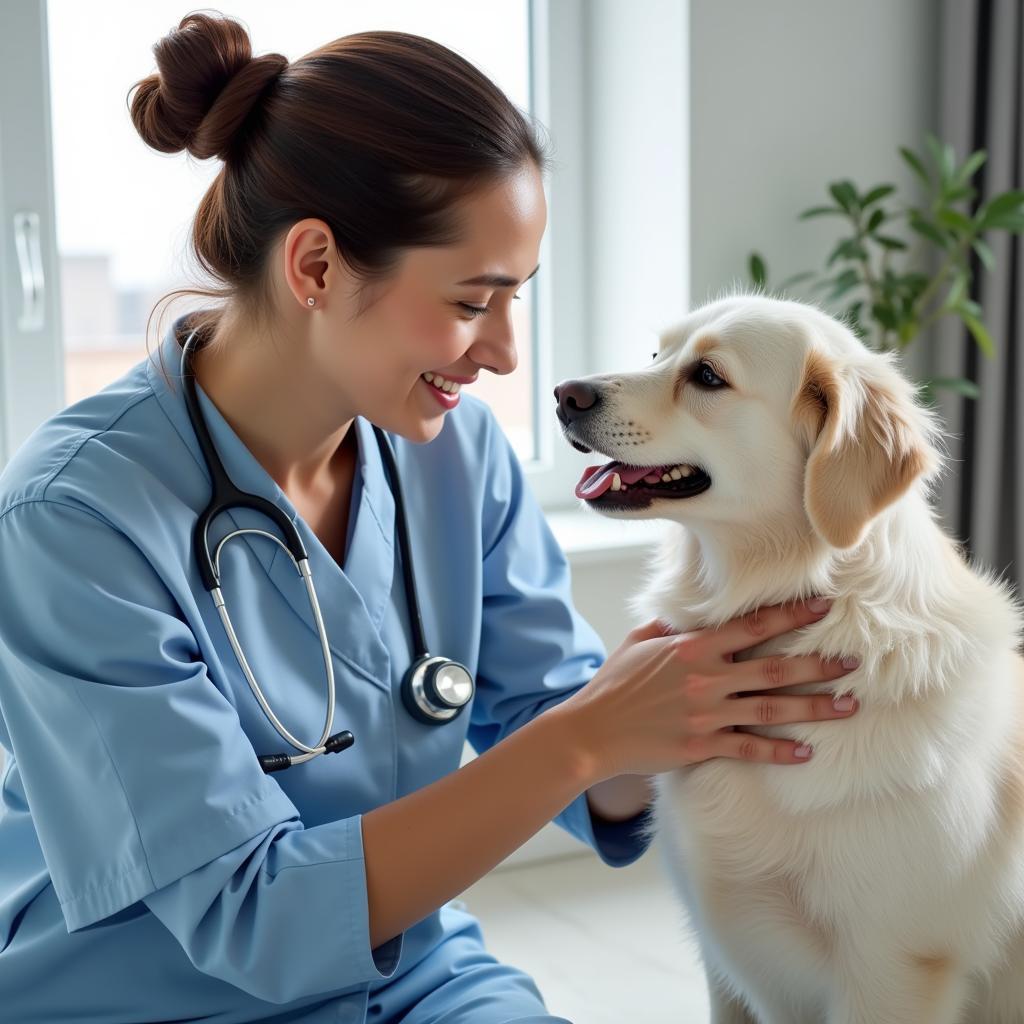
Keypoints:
(605, 945)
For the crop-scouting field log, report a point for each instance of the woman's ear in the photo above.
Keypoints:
(869, 442)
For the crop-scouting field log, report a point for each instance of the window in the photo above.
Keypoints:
(123, 211)
(76, 256)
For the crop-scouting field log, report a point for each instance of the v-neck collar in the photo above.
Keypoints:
(351, 598)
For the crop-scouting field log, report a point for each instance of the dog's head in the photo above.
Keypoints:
(754, 410)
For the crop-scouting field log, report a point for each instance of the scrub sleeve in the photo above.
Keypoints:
(99, 725)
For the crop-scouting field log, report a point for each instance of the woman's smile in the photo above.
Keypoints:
(444, 391)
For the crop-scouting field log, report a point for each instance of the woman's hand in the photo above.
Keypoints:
(667, 701)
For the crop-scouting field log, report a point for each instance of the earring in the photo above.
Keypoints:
(311, 301)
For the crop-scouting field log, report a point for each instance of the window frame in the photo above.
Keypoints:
(31, 356)
(558, 103)
(31, 360)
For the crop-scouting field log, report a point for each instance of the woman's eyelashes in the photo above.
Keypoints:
(475, 311)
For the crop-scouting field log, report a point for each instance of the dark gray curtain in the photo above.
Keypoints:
(980, 93)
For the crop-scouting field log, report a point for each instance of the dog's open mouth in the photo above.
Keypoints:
(616, 483)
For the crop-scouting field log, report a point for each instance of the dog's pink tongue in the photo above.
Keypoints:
(597, 479)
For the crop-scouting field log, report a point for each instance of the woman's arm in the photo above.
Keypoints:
(427, 847)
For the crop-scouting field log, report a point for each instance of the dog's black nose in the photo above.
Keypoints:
(575, 398)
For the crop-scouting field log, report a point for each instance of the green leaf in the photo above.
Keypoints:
(954, 195)
(922, 227)
(890, 243)
(970, 167)
(880, 192)
(885, 315)
(1008, 204)
(985, 253)
(875, 220)
(916, 165)
(978, 331)
(849, 249)
(960, 384)
(915, 281)
(948, 163)
(758, 270)
(1006, 222)
(843, 283)
(845, 195)
(944, 157)
(955, 220)
(908, 330)
(911, 286)
(820, 211)
(957, 291)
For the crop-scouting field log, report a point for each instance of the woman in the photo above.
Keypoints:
(151, 869)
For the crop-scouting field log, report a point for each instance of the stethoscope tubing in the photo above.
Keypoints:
(434, 690)
(226, 495)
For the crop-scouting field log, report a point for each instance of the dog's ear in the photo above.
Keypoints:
(868, 442)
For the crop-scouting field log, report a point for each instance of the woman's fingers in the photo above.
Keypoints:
(744, 746)
(753, 628)
(774, 671)
(785, 710)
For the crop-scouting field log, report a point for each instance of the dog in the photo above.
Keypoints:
(881, 882)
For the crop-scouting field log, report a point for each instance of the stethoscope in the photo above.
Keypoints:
(434, 689)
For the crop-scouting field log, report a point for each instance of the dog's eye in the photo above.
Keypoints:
(702, 374)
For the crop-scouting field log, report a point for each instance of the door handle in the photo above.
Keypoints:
(30, 266)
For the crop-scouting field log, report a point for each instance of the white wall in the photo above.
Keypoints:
(786, 96)
(636, 68)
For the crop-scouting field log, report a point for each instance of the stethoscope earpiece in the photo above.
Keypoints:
(278, 762)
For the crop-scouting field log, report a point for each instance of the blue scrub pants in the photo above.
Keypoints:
(463, 984)
(47, 975)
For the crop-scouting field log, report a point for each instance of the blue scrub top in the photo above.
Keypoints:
(149, 869)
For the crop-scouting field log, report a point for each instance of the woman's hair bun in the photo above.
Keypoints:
(206, 86)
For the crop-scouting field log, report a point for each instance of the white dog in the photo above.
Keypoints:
(882, 882)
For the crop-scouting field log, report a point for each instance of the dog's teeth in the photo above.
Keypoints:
(685, 470)
(676, 474)
(665, 478)
(616, 482)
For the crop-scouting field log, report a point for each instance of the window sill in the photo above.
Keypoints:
(588, 537)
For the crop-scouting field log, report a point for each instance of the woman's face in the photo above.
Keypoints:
(430, 316)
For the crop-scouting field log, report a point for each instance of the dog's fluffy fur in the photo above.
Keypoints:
(883, 880)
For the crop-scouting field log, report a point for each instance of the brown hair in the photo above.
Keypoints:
(376, 133)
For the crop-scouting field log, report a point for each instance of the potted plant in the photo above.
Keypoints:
(880, 283)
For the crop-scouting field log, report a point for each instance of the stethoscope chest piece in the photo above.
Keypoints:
(436, 689)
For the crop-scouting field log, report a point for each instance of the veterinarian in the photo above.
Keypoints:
(167, 852)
